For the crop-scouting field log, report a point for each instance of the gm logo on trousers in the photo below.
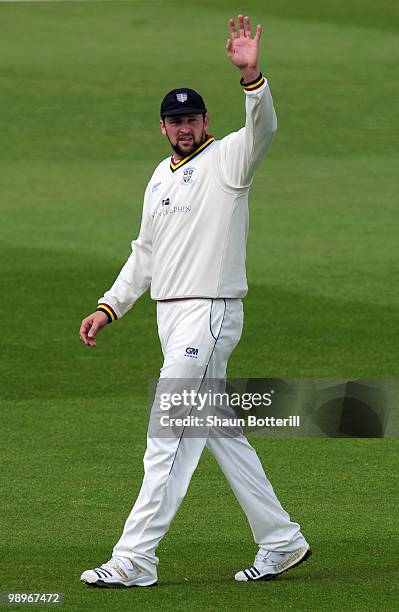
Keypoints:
(191, 352)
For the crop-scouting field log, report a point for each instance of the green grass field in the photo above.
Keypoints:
(80, 89)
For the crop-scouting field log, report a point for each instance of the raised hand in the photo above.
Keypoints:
(242, 49)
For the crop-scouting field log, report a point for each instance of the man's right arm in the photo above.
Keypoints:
(132, 281)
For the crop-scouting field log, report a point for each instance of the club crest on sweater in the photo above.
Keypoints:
(187, 177)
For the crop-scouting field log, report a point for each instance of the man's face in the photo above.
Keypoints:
(185, 132)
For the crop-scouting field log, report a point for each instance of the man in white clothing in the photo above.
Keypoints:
(191, 251)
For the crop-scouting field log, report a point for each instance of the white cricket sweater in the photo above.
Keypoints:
(193, 234)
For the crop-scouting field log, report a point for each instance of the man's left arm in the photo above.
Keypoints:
(242, 151)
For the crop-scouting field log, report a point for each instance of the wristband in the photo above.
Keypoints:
(106, 308)
(252, 85)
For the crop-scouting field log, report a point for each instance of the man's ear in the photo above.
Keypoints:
(206, 122)
(162, 127)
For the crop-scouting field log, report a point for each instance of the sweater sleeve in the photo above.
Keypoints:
(135, 277)
(242, 151)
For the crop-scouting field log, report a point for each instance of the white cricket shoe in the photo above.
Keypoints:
(119, 572)
(268, 565)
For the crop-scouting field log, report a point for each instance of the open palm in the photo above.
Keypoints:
(241, 48)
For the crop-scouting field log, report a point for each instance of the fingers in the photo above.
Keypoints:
(93, 330)
(241, 29)
(244, 29)
(233, 31)
(247, 27)
(88, 331)
(90, 327)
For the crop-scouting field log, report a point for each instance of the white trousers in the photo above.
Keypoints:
(212, 327)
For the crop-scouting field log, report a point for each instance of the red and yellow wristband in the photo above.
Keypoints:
(258, 82)
(110, 312)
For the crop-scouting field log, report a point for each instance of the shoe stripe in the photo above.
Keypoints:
(104, 569)
(104, 573)
(248, 575)
(100, 575)
(255, 569)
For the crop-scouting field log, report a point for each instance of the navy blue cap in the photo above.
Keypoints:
(182, 101)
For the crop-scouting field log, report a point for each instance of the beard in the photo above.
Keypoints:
(179, 152)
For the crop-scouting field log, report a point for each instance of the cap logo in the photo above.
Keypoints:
(181, 97)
